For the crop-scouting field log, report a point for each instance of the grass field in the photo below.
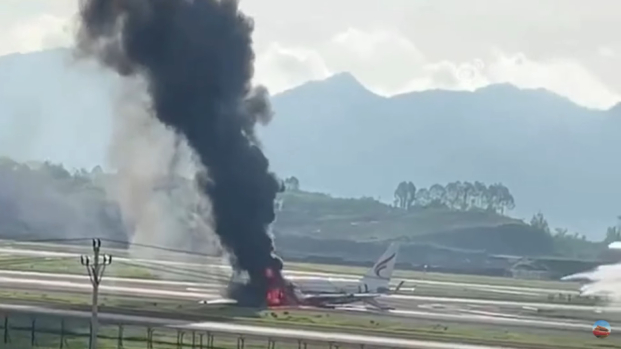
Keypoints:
(47, 334)
(315, 320)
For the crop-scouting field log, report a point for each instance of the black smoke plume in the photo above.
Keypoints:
(197, 58)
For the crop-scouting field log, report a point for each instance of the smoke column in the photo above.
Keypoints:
(159, 205)
(197, 60)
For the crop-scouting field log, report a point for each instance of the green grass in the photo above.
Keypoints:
(305, 212)
(48, 332)
(75, 334)
(320, 320)
(70, 266)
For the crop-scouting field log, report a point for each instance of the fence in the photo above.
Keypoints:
(24, 331)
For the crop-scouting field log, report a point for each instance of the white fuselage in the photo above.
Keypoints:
(317, 285)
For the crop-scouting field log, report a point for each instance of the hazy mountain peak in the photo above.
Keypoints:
(340, 85)
(536, 142)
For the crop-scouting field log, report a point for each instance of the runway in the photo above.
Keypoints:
(302, 276)
(416, 307)
(208, 290)
(461, 310)
(293, 334)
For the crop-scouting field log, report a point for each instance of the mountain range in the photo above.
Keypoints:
(338, 137)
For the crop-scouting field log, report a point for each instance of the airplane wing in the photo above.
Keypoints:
(333, 296)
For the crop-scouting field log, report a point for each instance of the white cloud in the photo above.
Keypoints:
(384, 60)
(36, 33)
(563, 76)
(388, 63)
(606, 52)
(395, 56)
(281, 68)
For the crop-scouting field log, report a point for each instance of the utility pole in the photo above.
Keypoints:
(95, 268)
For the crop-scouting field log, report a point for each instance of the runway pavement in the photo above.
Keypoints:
(411, 306)
(303, 276)
(406, 306)
(209, 290)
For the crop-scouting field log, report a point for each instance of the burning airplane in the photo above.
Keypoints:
(282, 292)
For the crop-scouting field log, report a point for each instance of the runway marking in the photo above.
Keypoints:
(492, 319)
(494, 302)
(292, 273)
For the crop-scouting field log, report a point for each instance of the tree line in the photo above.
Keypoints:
(575, 244)
(42, 199)
(455, 195)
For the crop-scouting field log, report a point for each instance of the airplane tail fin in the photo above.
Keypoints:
(378, 277)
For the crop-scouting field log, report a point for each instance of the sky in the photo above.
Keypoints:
(571, 47)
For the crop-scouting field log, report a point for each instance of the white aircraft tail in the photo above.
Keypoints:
(377, 279)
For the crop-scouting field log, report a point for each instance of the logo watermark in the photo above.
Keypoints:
(601, 329)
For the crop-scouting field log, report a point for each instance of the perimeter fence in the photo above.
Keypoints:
(26, 331)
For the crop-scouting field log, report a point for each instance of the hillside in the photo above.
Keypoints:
(321, 216)
(556, 156)
(452, 229)
(339, 138)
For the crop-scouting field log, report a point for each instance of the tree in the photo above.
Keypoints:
(401, 195)
(292, 184)
(467, 190)
(458, 196)
(505, 199)
(452, 194)
(480, 191)
(538, 221)
(560, 232)
(411, 195)
(405, 195)
(422, 197)
(437, 194)
(612, 234)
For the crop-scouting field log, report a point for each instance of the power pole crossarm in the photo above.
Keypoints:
(95, 267)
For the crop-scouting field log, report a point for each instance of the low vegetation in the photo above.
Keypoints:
(443, 225)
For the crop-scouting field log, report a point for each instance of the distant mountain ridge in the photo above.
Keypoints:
(555, 156)
(336, 136)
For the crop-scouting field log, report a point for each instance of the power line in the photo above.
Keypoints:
(119, 242)
(44, 240)
(161, 248)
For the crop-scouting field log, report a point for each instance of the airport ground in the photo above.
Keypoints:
(458, 309)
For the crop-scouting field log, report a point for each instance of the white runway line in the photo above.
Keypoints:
(293, 274)
(500, 303)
